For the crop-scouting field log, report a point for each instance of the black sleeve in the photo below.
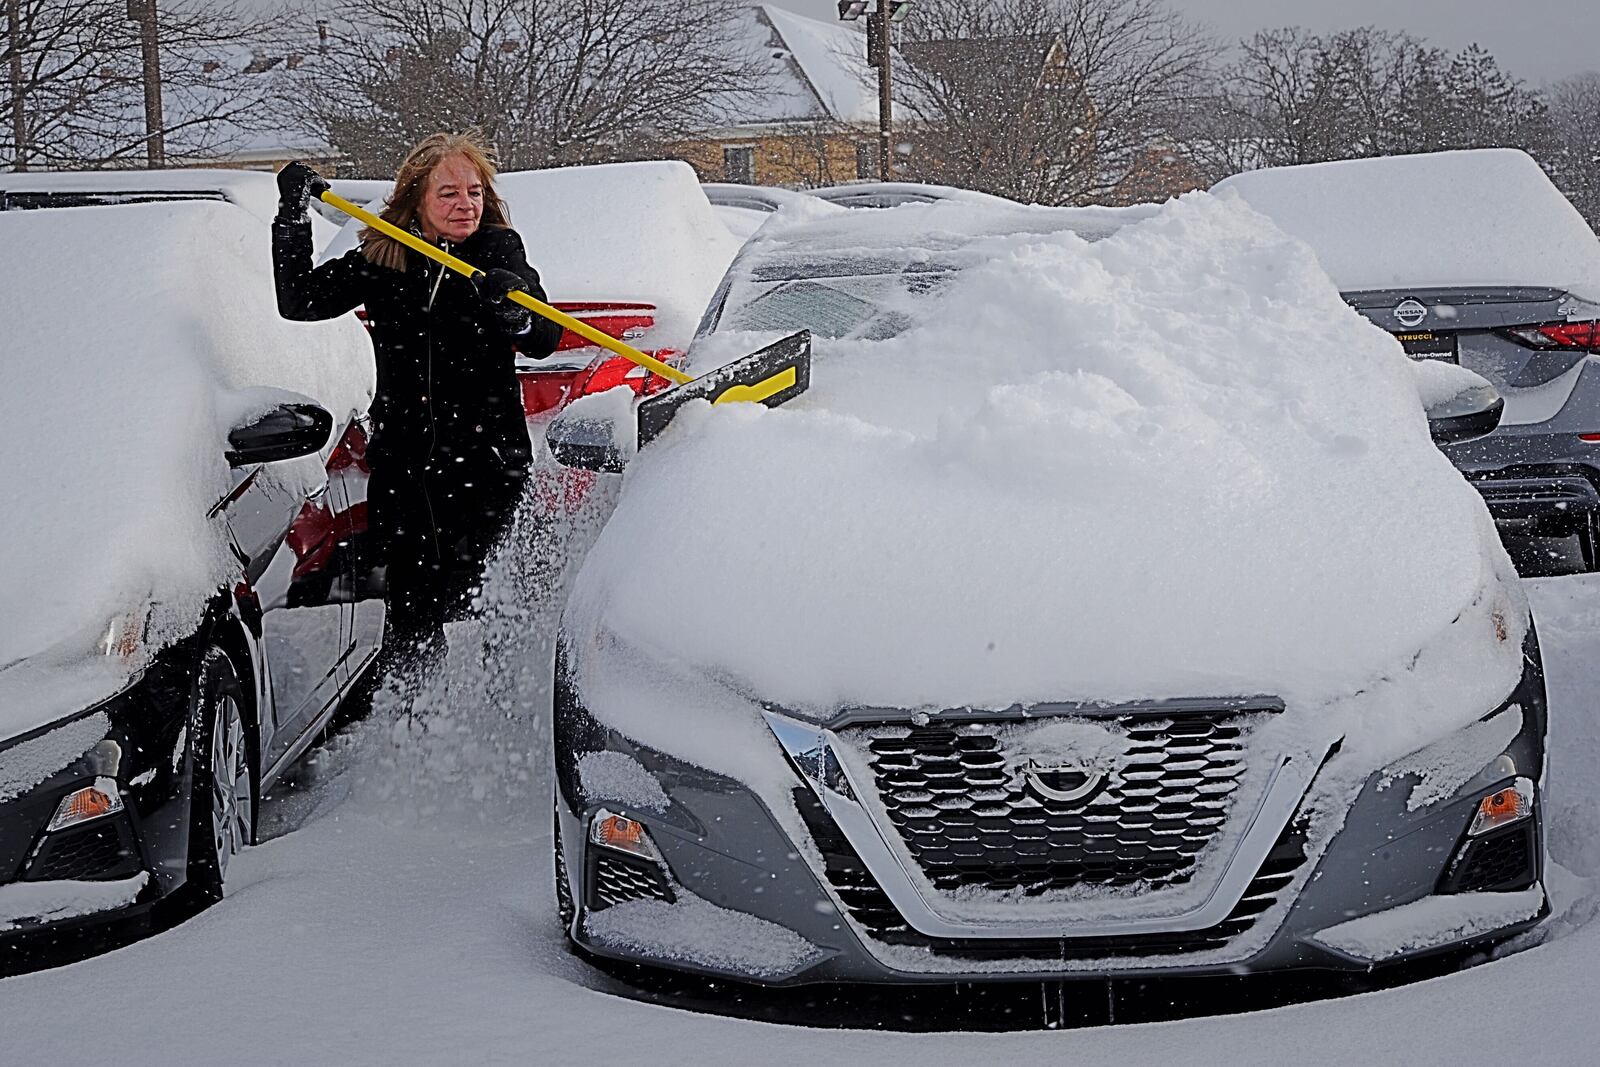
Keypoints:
(506, 251)
(307, 293)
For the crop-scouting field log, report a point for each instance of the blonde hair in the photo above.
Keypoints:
(404, 204)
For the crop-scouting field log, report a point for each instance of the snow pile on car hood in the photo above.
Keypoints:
(131, 334)
(1483, 217)
(1170, 463)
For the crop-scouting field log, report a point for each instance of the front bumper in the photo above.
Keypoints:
(790, 892)
(59, 888)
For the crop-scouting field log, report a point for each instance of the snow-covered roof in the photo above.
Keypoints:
(1481, 217)
(817, 71)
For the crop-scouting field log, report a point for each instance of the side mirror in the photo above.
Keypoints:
(284, 431)
(1461, 405)
(595, 433)
(1469, 414)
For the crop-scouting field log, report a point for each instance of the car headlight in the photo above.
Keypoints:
(126, 636)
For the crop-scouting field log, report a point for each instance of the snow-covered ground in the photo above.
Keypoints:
(403, 914)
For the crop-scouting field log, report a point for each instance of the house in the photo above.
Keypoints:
(814, 122)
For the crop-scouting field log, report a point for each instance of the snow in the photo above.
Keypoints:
(116, 395)
(26, 903)
(30, 762)
(1439, 382)
(697, 932)
(833, 57)
(623, 231)
(254, 191)
(1480, 217)
(1085, 745)
(621, 779)
(425, 931)
(1080, 472)
(1443, 768)
(1430, 922)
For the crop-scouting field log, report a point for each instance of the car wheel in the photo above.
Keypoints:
(564, 906)
(221, 801)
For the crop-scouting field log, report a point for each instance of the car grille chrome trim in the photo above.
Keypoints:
(814, 751)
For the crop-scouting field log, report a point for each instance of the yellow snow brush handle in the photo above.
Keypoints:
(538, 307)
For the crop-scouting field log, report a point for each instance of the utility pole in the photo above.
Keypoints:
(879, 40)
(19, 114)
(885, 95)
(143, 12)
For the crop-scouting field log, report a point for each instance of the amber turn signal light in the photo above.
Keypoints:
(1503, 807)
(83, 805)
(621, 833)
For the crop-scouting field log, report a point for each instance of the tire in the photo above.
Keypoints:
(221, 794)
(565, 909)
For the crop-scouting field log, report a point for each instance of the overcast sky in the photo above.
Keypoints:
(1537, 40)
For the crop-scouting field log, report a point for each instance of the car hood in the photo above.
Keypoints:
(1172, 463)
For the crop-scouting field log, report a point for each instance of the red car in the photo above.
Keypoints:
(578, 368)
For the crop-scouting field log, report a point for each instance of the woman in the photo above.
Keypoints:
(449, 451)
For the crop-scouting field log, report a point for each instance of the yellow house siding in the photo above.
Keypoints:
(804, 159)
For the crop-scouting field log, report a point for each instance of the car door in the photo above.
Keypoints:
(363, 578)
(281, 518)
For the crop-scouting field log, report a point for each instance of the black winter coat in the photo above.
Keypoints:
(447, 394)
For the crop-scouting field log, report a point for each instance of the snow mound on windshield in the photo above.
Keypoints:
(641, 232)
(1169, 463)
(130, 333)
(1482, 217)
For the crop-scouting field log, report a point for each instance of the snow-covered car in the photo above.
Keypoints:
(1104, 608)
(183, 599)
(743, 209)
(255, 192)
(1475, 258)
(893, 194)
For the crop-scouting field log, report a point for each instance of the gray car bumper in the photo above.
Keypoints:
(747, 901)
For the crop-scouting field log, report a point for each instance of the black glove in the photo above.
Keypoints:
(492, 286)
(297, 183)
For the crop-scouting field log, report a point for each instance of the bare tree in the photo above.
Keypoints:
(73, 92)
(1296, 97)
(1053, 101)
(1574, 156)
(547, 81)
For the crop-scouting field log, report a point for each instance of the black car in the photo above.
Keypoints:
(113, 809)
(186, 595)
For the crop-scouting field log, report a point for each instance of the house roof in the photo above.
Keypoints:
(817, 71)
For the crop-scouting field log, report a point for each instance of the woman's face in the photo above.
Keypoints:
(452, 204)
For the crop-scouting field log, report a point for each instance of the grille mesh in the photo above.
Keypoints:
(617, 881)
(1497, 863)
(871, 909)
(94, 853)
(970, 818)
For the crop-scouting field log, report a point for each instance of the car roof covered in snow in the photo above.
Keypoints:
(1483, 217)
(255, 191)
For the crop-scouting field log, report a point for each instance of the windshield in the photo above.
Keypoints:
(868, 299)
